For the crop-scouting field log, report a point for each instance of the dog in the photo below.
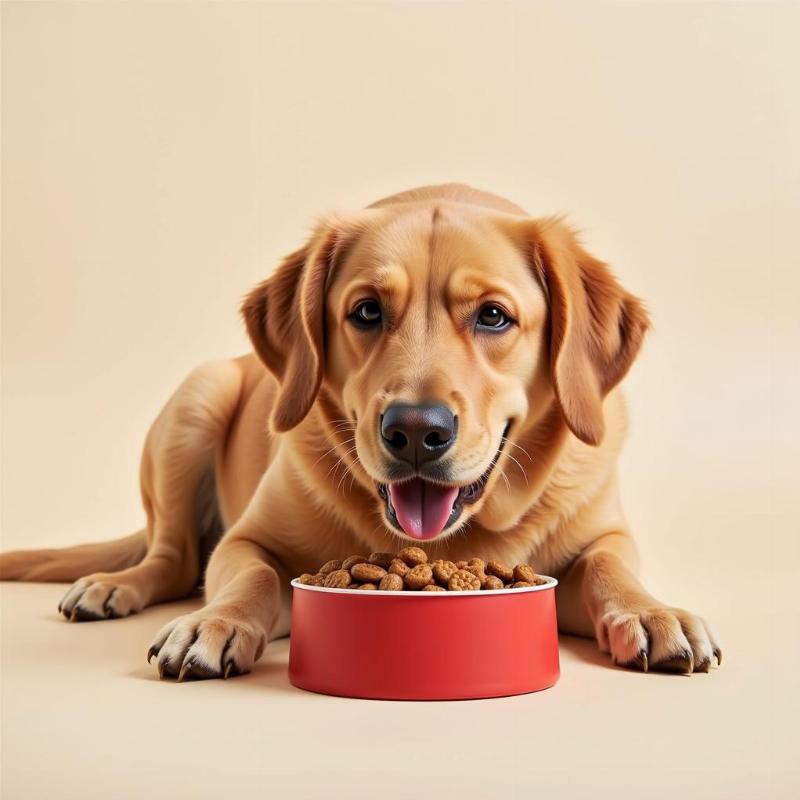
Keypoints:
(438, 368)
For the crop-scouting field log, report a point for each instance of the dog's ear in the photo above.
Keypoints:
(285, 319)
(596, 327)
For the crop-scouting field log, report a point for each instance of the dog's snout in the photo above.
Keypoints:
(418, 433)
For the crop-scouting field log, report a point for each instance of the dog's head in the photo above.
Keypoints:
(432, 335)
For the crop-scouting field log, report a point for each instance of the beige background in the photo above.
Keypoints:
(158, 159)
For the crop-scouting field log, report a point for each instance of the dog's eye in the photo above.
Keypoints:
(492, 317)
(367, 314)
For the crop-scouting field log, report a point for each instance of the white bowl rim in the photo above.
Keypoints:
(551, 584)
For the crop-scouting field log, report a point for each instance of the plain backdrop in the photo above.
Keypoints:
(159, 159)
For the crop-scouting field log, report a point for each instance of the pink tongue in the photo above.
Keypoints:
(422, 508)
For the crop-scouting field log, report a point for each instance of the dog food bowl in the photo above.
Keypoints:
(424, 645)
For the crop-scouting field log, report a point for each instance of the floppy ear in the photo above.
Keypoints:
(596, 327)
(285, 319)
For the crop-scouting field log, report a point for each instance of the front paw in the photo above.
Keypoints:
(99, 596)
(210, 643)
(658, 638)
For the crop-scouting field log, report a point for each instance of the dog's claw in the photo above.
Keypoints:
(74, 615)
(683, 663)
(153, 651)
(640, 662)
(703, 666)
(228, 669)
(186, 669)
(162, 670)
(718, 656)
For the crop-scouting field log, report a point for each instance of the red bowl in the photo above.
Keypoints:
(424, 645)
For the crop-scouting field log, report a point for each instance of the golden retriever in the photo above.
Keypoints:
(438, 368)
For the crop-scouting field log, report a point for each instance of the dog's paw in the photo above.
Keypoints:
(658, 638)
(99, 597)
(207, 644)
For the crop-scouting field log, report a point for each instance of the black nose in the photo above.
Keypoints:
(416, 434)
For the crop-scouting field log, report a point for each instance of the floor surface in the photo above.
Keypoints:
(84, 716)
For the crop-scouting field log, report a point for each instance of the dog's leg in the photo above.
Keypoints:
(600, 595)
(62, 564)
(243, 586)
(179, 451)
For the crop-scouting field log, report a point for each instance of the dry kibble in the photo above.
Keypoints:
(391, 583)
(524, 572)
(463, 581)
(398, 567)
(413, 556)
(410, 570)
(442, 570)
(381, 559)
(369, 573)
(500, 570)
(419, 577)
(338, 579)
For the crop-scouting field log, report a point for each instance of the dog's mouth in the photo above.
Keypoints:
(422, 508)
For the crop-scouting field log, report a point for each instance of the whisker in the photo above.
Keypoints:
(524, 474)
(351, 440)
(344, 474)
(514, 444)
(505, 478)
(341, 461)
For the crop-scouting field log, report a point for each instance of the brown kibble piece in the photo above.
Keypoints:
(521, 585)
(463, 581)
(368, 587)
(442, 570)
(312, 580)
(500, 570)
(432, 587)
(369, 573)
(350, 562)
(391, 582)
(398, 567)
(524, 572)
(381, 559)
(477, 562)
(461, 564)
(330, 566)
(338, 579)
(492, 582)
(413, 556)
(418, 577)
(477, 572)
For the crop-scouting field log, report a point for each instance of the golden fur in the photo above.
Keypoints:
(281, 449)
